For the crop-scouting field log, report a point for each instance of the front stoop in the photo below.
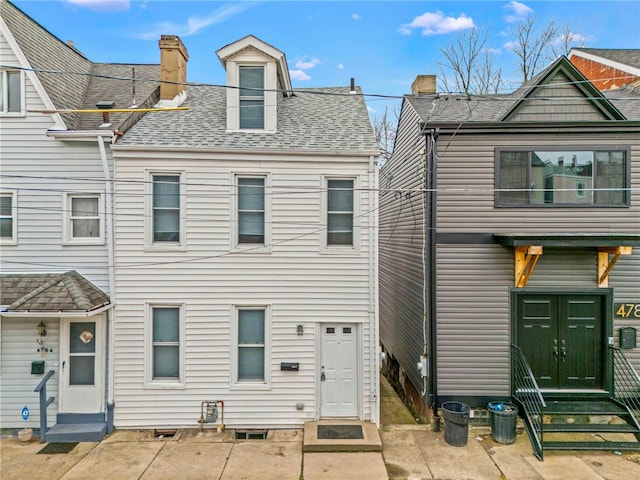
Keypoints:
(370, 443)
(78, 427)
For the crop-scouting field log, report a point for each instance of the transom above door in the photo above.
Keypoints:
(564, 338)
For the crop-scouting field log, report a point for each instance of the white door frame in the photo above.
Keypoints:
(358, 367)
(80, 398)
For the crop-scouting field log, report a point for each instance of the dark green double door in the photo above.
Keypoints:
(562, 336)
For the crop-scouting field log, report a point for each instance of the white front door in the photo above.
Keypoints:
(339, 371)
(82, 365)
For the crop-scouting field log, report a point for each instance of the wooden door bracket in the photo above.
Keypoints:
(526, 258)
(606, 263)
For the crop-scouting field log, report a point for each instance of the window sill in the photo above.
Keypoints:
(13, 114)
(73, 243)
(159, 385)
(158, 247)
(259, 387)
(8, 241)
(326, 250)
(251, 248)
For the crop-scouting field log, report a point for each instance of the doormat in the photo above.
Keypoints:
(55, 447)
(340, 432)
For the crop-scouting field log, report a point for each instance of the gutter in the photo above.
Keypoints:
(432, 185)
(374, 347)
(65, 314)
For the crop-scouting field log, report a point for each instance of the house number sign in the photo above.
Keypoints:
(627, 310)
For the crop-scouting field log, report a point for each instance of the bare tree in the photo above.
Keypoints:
(384, 128)
(468, 65)
(565, 41)
(531, 47)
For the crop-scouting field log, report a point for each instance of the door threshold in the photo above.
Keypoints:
(581, 391)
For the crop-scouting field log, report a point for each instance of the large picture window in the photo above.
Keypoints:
(562, 177)
(251, 97)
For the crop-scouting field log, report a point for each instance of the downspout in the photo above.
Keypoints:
(373, 292)
(432, 185)
(109, 235)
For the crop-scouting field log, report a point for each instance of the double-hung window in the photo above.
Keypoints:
(251, 209)
(340, 212)
(562, 177)
(251, 344)
(166, 208)
(83, 218)
(11, 95)
(251, 97)
(166, 344)
(7, 218)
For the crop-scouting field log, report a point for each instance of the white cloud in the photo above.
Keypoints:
(435, 23)
(518, 11)
(511, 46)
(495, 51)
(304, 64)
(340, 66)
(103, 5)
(299, 75)
(356, 16)
(569, 38)
(371, 110)
(194, 24)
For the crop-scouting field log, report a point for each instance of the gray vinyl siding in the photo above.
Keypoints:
(300, 285)
(17, 351)
(625, 281)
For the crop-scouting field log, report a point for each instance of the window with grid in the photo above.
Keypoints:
(251, 209)
(166, 208)
(556, 177)
(165, 343)
(251, 345)
(10, 91)
(251, 97)
(340, 212)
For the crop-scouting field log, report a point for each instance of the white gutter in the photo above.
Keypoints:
(373, 294)
(58, 314)
(79, 134)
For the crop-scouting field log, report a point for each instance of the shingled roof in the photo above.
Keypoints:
(629, 57)
(313, 119)
(78, 86)
(618, 104)
(50, 292)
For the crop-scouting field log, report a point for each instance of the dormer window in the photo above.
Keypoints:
(251, 97)
(10, 91)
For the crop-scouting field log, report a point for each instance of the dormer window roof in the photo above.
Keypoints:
(257, 75)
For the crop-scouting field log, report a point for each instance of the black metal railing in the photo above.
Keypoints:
(527, 395)
(44, 403)
(626, 384)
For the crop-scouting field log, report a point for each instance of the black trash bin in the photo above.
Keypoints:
(503, 421)
(456, 423)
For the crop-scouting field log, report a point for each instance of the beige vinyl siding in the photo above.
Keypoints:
(17, 351)
(400, 243)
(298, 283)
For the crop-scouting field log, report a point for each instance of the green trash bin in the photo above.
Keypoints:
(503, 421)
(456, 423)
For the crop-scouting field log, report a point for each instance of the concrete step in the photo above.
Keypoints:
(608, 446)
(370, 441)
(76, 432)
(80, 418)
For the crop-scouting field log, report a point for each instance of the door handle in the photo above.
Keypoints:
(322, 375)
(563, 352)
(63, 364)
(555, 350)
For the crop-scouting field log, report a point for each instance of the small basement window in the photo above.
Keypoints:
(251, 434)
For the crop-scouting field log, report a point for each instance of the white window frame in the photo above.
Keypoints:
(148, 341)
(325, 247)
(249, 248)
(67, 231)
(254, 98)
(235, 383)
(14, 217)
(150, 244)
(4, 92)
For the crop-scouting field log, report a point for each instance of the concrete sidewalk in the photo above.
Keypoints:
(409, 452)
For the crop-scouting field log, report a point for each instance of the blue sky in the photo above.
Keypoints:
(383, 44)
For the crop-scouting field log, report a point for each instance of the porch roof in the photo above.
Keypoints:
(581, 240)
(50, 292)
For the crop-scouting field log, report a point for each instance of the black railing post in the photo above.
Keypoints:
(44, 403)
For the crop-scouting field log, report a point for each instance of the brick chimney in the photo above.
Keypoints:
(424, 84)
(173, 66)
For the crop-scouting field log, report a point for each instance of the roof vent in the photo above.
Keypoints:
(105, 105)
